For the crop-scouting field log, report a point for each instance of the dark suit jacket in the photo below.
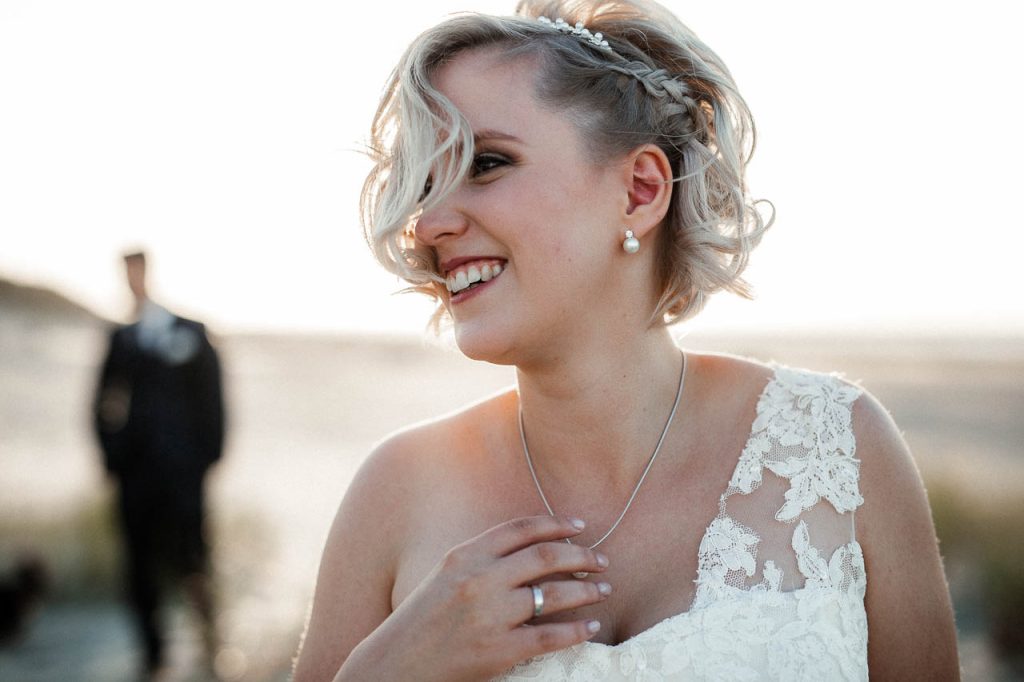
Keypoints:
(159, 412)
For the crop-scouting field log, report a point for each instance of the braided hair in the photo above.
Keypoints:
(654, 83)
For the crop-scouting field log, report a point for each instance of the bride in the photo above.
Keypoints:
(630, 510)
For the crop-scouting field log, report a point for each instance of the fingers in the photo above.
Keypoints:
(548, 558)
(559, 595)
(512, 535)
(533, 640)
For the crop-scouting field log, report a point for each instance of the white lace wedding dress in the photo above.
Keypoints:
(780, 583)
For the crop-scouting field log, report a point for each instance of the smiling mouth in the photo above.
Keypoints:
(469, 276)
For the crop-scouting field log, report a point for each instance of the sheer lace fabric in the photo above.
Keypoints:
(780, 579)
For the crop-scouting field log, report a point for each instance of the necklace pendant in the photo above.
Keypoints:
(580, 575)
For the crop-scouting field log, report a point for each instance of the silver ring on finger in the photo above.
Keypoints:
(538, 600)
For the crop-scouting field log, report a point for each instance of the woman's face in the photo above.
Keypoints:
(535, 206)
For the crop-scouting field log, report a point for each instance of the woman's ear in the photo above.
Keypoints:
(649, 187)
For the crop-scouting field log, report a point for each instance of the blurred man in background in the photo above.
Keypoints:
(159, 416)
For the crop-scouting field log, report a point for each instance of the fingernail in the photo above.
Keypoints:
(593, 626)
(578, 524)
(602, 560)
(604, 588)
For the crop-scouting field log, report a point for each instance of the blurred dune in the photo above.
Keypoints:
(30, 303)
(304, 411)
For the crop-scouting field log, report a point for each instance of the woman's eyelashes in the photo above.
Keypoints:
(483, 163)
(486, 162)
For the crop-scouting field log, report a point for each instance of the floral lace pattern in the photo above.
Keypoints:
(811, 413)
(734, 630)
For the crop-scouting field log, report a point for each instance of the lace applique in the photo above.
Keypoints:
(828, 640)
(843, 572)
(803, 433)
(734, 630)
(729, 547)
(810, 413)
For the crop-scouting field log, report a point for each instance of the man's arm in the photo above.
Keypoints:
(111, 405)
(210, 411)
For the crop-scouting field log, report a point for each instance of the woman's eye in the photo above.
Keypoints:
(426, 188)
(484, 163)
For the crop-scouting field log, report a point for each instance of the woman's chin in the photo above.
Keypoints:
(486, 345)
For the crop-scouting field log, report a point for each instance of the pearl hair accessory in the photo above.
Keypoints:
(630, 244)
(581, 32)
(658, 82)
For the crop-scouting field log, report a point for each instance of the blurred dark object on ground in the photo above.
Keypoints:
(21, 594)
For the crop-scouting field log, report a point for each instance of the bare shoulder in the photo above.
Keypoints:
(370, 531)
(401, 473)
(888, 474)
(728, 374)
(895, 508)
(406, 459)
(406, 463)
(910, 617)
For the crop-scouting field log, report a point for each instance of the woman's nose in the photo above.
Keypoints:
(440, 223)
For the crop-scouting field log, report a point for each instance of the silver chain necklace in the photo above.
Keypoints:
(636, 489)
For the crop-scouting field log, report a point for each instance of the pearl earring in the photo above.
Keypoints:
(630, 244)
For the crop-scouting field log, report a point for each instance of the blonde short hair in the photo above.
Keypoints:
(659, 84)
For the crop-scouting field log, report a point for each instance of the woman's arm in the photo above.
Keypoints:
(463, 622)
(911, 634)
(353, 588)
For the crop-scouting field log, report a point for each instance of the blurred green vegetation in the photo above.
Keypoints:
(982, 535)
(80, 547)
(77, 544)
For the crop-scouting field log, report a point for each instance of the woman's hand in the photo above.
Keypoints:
(464, 621)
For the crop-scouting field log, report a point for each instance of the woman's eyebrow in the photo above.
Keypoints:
(491, 134)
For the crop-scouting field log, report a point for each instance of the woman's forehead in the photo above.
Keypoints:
(495, 93)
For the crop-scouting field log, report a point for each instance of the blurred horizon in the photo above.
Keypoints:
(27, 295)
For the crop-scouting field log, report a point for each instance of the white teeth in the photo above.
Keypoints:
(463, 278)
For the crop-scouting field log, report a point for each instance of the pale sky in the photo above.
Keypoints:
(223, 136)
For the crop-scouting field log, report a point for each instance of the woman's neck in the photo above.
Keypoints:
(597, 412)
